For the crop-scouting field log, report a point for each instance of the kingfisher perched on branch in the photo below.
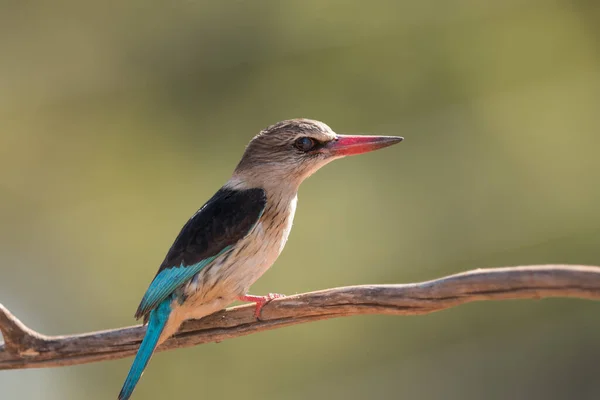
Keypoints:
(239, 233)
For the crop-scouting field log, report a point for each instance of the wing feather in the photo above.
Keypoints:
(224, 220)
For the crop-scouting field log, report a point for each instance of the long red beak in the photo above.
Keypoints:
(347, 145)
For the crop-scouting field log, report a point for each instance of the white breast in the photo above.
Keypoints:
(268, 241)
(287, 228)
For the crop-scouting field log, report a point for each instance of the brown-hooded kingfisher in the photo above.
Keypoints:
(239, 233)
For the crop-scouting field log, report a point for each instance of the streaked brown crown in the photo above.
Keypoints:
(275, 144)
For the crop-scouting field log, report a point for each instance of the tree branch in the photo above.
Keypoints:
(25, 348)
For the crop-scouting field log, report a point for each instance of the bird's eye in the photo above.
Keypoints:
(304, 143)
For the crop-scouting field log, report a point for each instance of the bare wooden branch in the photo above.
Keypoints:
(25, 348)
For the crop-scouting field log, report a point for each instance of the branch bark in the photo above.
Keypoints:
(25, 348)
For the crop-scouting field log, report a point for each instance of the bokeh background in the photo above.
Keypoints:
(119, 119)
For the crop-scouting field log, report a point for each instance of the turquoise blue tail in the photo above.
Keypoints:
(156, 324)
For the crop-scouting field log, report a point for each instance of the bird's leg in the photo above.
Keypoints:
(260, 301)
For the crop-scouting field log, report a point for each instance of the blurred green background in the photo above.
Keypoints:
(118, 120)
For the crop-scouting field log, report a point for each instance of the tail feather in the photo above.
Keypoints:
(156, 325)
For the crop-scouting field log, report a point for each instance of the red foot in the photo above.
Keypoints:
(260, 301)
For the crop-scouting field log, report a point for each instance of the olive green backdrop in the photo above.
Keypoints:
(119, 119)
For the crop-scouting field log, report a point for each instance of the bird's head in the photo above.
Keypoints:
(295, 149)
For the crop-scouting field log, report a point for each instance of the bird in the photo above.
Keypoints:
(237, 235)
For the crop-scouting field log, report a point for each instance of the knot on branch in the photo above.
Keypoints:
(18, 338)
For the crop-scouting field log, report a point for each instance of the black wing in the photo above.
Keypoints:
(225, 219)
